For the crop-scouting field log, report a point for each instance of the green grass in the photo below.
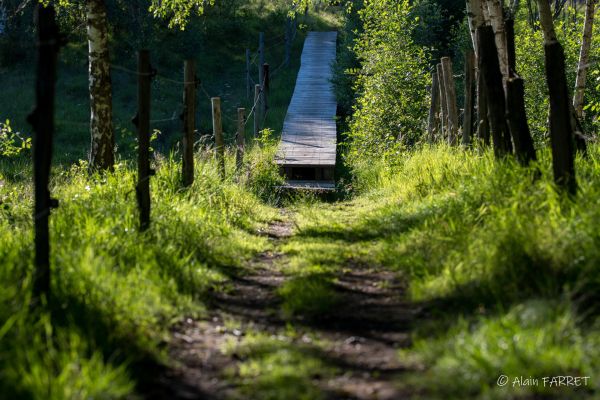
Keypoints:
(507, 269)
(116, 291)
(279, 366)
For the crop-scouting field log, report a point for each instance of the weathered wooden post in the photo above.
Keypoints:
(248, 77)
(240, 138)
(443, 102)
(450, 100)
(265, 90)
(433, 108)
(517, 120)
(467, 132)
(511, 53)
(256, 110)
(42, 120)
(142, 121)
(261, 56)
(561, 128)
(483, 124)
(189, 121)
(561, 111)
(218, 132)
(489, 65)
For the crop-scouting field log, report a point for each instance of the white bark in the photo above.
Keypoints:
(475, 19)
(584, 56)
(496, 16)
(101, 128)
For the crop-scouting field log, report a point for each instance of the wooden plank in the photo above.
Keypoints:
(309, 136)
(309, 185)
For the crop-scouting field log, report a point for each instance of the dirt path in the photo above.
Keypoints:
(361, 337)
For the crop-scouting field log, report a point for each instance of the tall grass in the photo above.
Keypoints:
(505, 269)
(115, 291)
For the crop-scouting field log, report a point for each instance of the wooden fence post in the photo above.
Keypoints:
(42, 120)
(483, 124)
(142, 121)
(443, 103)
(261, 56)
(509, 29)
(494, 89)
(189, 121)
(248, 76)
(561, 129)
(256, 110)
(517, 120)
(240, 138)
(450, 100)
(265, 91)
(467, 132)
(434, 107)
(218, 132)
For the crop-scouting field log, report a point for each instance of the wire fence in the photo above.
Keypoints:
(177, 115)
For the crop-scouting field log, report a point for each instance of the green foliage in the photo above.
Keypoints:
(392, 84)
(530, 60)
(12, 143)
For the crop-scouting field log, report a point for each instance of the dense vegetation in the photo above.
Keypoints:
(500, 268)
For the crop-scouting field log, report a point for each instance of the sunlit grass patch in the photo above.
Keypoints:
(275, 367)
(310, 295)
(532, 340)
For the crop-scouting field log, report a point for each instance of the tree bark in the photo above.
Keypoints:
(584, 54)
(496, 15)
(475, 19)
(101, 127)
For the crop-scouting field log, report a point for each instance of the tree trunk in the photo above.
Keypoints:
(475, 19)
(496, 15)
(584, 54)
(101, 127)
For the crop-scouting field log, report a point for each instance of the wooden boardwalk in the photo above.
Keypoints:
(308, 145)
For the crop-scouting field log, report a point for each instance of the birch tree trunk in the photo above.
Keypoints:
(475, 19)
(584, 54)
(496, 15)
(101, 127)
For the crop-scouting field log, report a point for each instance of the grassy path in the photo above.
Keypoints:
(251, 346)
